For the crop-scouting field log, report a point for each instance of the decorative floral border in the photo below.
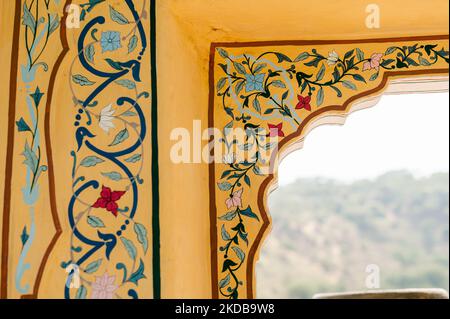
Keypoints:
(270, 96)
(100, 39)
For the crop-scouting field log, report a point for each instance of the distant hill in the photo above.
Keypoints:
(326, 233)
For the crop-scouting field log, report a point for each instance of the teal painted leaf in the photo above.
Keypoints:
(91, 161)
(374, 76)
(31, 159)
(142, 233)
(115, 176)
(54, 23)
(260, 67)
(132, 44)
(320, 97)
(127, 83)
(321, 73)
(239, 87)
(240, 68)
(138, 275)
(358, 77)
(221, 83)
(22, 126)
(90, 52)
(360, 54)
(120, 137)
(81, 293)
(225, 235)
(129, 113)
(282, 57)
(229, 216)
(25, 236)
(82, 80)
(303, 56)
(249, 213)
(257, 105)
(225, 282)
(130, 247)
(95, 222)
(239, 253)
(93, 267)
(225, 186)
(134, 159)
(390, 50)
(118, 17)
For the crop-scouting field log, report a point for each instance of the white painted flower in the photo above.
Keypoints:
(106, 119)
(229, 159)
(333, 58)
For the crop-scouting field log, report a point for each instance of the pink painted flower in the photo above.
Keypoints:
(235, 200)
(304, 103)
(373, 63)
(104, 287)
(276, 130)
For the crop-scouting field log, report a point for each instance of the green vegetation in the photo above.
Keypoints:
(326, 233)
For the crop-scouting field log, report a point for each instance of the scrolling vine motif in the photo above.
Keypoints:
(270, 96)
(100, 226)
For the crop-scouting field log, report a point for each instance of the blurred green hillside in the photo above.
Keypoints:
(326, 233)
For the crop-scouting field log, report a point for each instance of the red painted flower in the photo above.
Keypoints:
(304, 103)
(276, 130)
(108, 200)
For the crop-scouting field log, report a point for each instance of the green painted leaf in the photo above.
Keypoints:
(390, 50)
(82, 80)
(321, 73)
(374, 76)
(221, 83)
(22, 126)
(257, 105)
(225, 186)
(282, 57)
(129, 113)
(320, 97)
(120, 137)
(279, 84)
(115, 176)
(249, 213)
(81, 293)
(91, 161)
(138, 275)
(239, 253)
(229, 216)
(142, 235)
(90, 52)
(134, 159)
(118, 17)
(127, 83)
(358, 77)
(225, 282)
(225, 235)
(93, 267)
(132, 44)
(360, 54)
(95, 222)
(349, 85)
(31, 159)
(260, 67)
(240, 68)
(303, 56)
(239, 87)
(224, 54)
(130, 247)
(54, 23)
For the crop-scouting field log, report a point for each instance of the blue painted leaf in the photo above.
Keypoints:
(239, 253)
(95, 222)
(249, 213)
(224, 186)
(320, 97)
(118, 17)
(82, 80)
(28, 19)
(229, 216)
(93, 267)
(91, 161)
(132, 44)
(115, 65)
(31, 159)
(130, 247)
(120, 137)
(22, 126)
(225, 235)
(138, 275)
(115, 176)
(225, 282)
(129, 113)
(224, 54)
(126, 83)
(349, 85)
(141, 233)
